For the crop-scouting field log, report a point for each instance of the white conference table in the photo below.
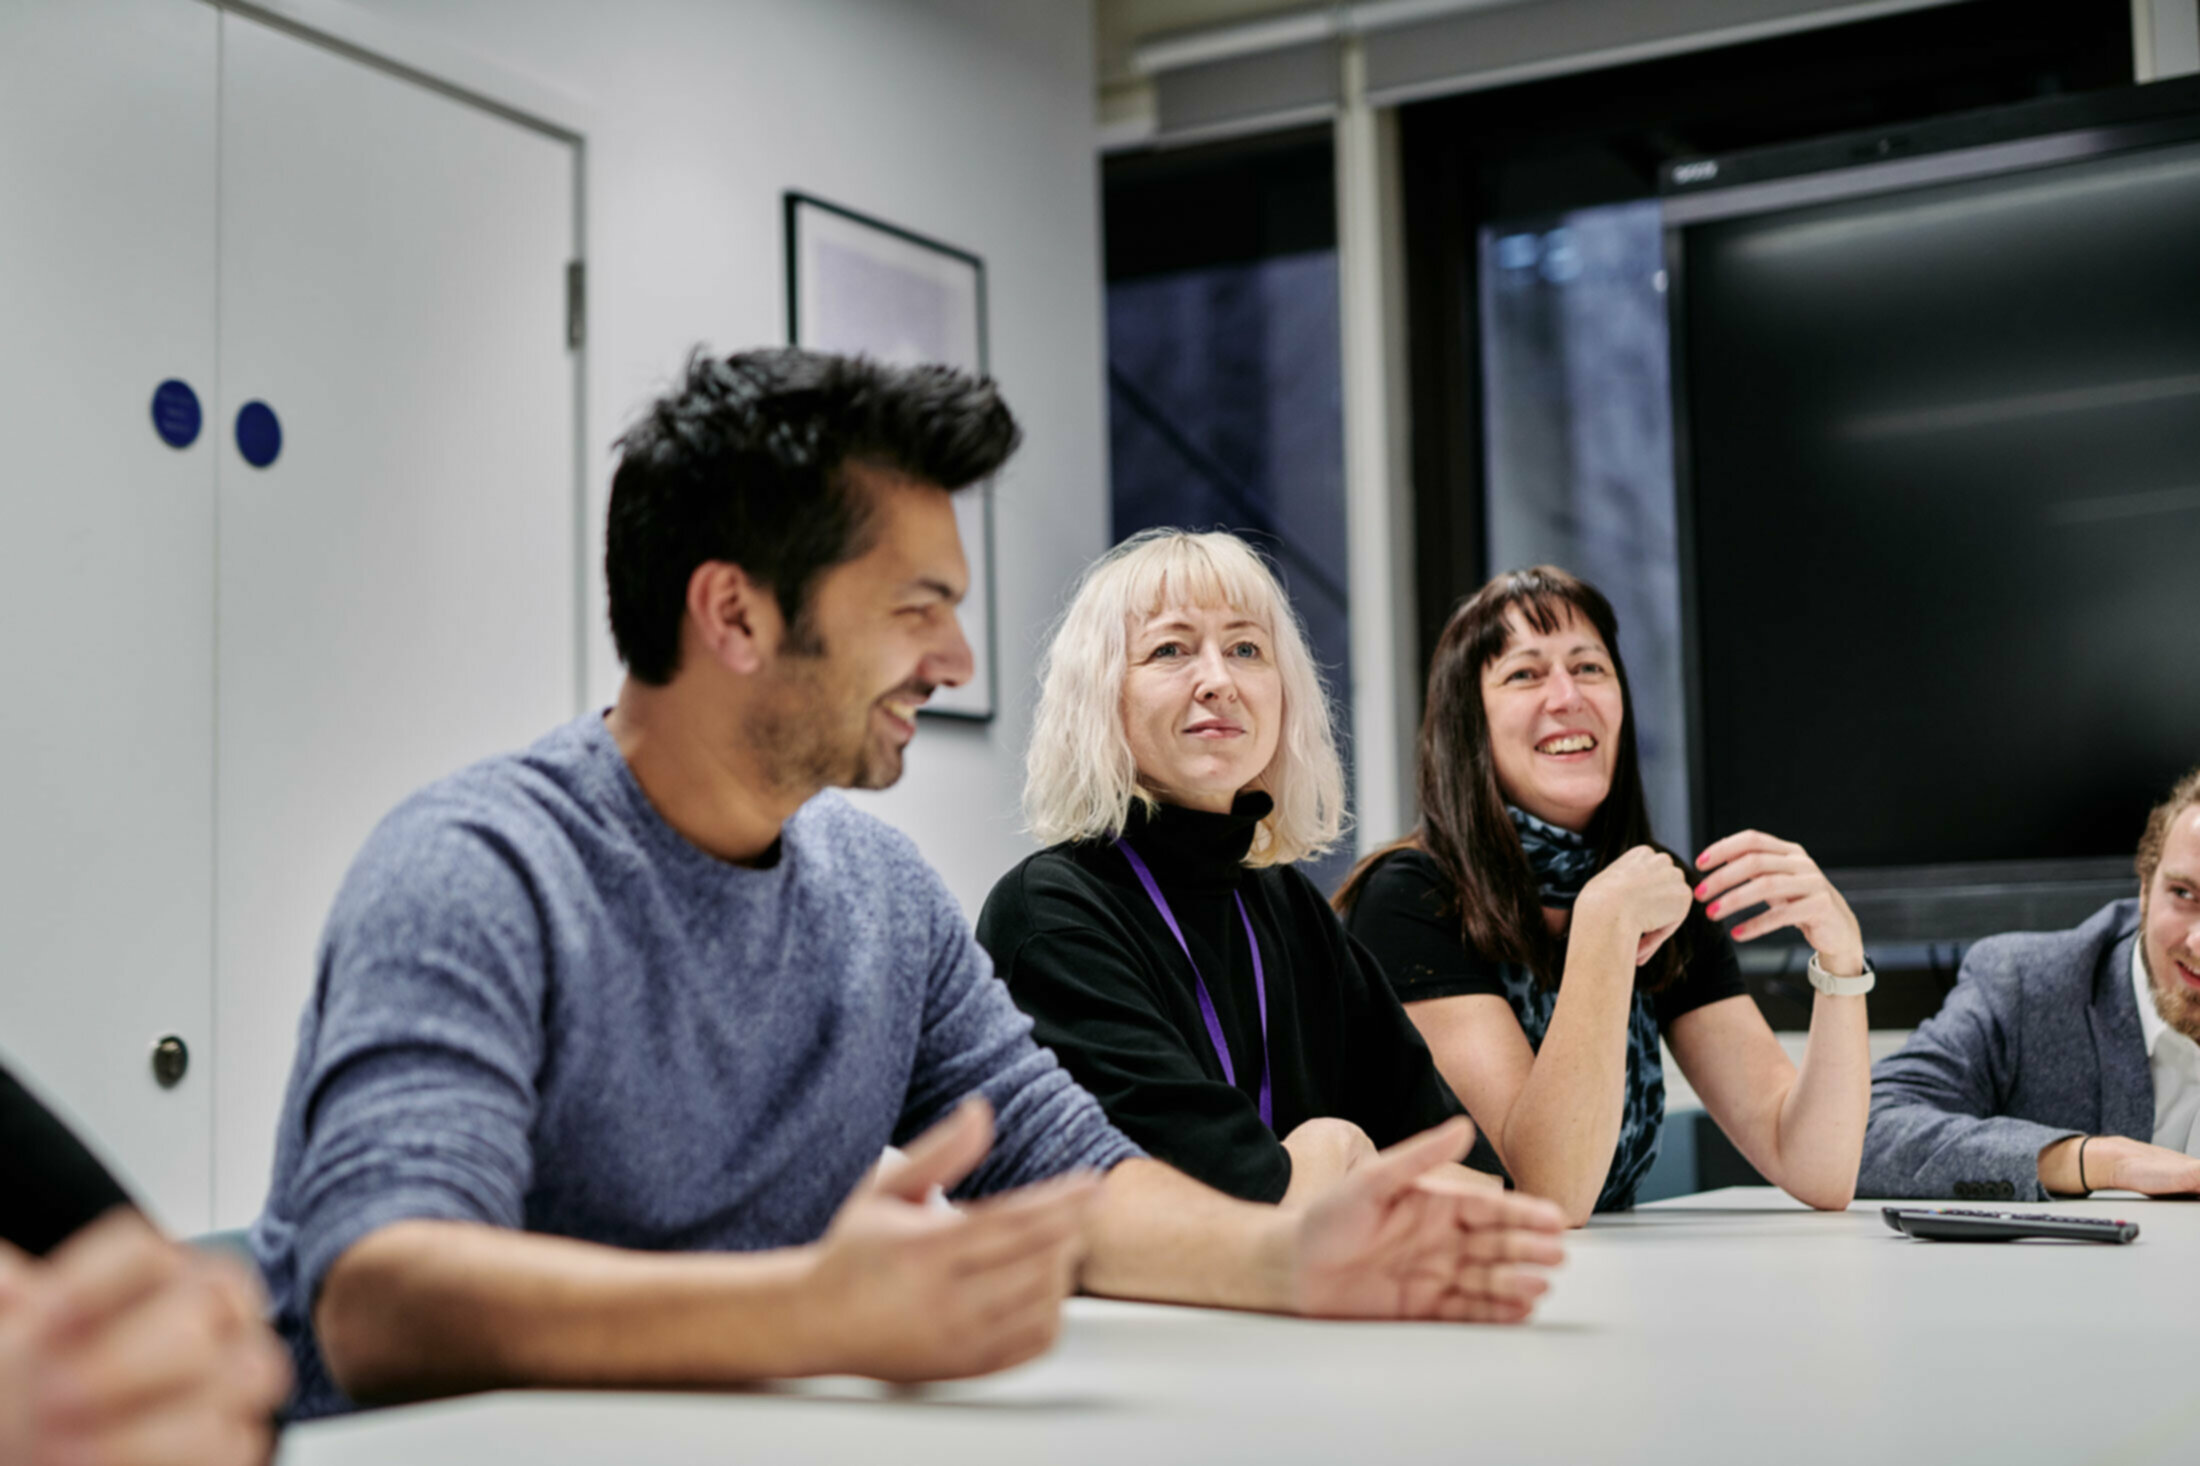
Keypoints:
(1733, 1326)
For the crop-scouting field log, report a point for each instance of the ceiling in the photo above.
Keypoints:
(1122, 24)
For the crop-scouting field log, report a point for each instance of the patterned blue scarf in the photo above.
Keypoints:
(1560, 860)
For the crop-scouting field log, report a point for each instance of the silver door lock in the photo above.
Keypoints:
(170, 1059)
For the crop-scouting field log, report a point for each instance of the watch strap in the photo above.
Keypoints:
(1840, 987)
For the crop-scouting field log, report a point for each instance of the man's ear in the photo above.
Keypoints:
(735, 621)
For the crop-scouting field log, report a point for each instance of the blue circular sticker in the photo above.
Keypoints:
(259, 435)
(176, 413)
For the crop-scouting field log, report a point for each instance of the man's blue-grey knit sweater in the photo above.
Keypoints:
(538, 1006)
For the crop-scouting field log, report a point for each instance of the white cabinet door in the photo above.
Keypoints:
(397, 587)
(107, 241)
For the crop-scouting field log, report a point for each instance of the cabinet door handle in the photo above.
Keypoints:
(171, 1060)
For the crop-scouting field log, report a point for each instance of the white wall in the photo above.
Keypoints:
(968, 120)
(2165, 38)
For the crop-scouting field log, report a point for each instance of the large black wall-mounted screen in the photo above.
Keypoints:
(1943, 466)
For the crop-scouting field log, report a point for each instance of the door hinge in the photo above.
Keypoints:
(576, 303)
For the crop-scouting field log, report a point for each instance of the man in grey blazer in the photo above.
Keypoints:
(2063, 1062)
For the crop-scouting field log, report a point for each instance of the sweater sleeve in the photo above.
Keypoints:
(418, 1094)
(974, 1040)
(1074, 967)
(1402, 1090)
(1937, 1127)
(1395, 1087)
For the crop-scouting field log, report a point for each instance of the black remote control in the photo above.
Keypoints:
(1949, 1224)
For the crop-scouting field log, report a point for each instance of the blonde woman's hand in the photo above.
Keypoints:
(1643, 895)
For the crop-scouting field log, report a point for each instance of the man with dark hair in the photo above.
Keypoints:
(2063, 1062)
(647, 988)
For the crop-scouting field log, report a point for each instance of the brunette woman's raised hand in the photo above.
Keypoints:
(1751, 868)
(1644, 894)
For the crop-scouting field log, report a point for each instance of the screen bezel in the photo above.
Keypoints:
(1924, 903)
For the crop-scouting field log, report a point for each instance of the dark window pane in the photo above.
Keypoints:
(1225, 397)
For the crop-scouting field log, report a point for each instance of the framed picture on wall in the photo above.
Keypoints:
(860, 286)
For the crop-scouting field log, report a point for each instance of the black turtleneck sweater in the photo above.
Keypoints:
(1085, 953)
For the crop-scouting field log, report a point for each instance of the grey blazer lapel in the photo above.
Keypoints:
(2127, 1084)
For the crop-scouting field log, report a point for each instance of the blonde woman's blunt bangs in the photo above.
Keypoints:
(1079, 776)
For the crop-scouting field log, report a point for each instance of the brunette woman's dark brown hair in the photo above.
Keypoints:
(1464, 827)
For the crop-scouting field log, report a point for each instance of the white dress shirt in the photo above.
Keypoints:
(2175, 1062)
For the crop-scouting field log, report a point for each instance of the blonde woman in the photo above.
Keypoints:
(1163, 944)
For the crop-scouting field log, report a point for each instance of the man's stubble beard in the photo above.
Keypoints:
(2178, 1005)
(799, 753)
(877, 760)
(2180, 1009)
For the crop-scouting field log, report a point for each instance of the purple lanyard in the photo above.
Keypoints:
(1207, 1003)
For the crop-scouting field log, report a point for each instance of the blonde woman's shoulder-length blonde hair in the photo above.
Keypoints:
(1079, 776)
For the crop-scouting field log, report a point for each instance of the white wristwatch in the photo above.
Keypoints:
(1840, 987)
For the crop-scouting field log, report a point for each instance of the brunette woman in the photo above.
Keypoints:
(1544, 944)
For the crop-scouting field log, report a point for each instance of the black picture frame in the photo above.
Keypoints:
(861, 286)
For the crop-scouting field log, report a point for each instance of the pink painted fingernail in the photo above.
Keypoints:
(1712, 909)
(1700, 890)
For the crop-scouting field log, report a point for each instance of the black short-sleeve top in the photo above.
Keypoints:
(1404, 917)
(1088, 956)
